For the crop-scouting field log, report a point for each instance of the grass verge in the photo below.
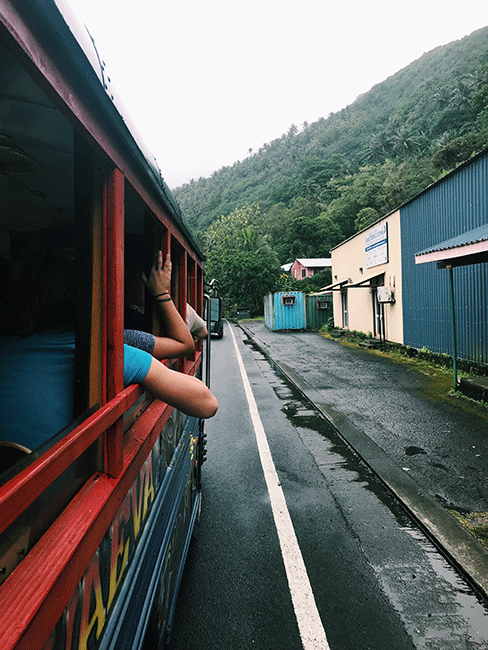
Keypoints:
(475, 522)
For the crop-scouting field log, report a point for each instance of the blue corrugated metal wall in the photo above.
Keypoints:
(452, 206)
(278, 316)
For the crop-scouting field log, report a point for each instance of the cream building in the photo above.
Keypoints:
(367, 281)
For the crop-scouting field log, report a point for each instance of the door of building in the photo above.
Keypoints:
(378, 316)
(345, 313)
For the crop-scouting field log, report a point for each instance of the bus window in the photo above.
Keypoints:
(39, 252)
(139, 241)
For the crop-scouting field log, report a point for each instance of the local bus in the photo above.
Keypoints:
(95, 524)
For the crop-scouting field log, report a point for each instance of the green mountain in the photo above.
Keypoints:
(318, 184)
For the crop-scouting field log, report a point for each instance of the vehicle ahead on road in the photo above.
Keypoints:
(94, 524)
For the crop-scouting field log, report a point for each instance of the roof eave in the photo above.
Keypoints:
(455, 253)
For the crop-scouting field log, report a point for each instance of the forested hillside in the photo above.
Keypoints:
(318, 184)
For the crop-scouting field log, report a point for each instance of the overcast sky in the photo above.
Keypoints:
(207, 80)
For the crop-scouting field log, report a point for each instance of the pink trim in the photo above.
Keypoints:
(452, 253)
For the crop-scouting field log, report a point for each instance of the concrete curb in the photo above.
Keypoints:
(454, 541)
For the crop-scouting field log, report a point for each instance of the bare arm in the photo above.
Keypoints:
(195, 323)
(201, 334)
(177, 342)
(186, 393)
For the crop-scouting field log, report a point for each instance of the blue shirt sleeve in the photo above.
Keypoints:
(136, 365)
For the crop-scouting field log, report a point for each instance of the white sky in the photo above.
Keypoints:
(206, 80)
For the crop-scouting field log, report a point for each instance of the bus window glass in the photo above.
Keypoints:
(136, 256)
(38, 257)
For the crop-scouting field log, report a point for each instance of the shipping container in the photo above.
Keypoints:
(285, 310)
(318, 309)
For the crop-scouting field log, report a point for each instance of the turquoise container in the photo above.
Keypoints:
(285, 310)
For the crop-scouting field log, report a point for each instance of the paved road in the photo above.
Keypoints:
(372, 578)
(443, 441)
(420, 440)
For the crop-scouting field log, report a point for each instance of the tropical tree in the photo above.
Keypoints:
(404, 143)
(378, 148)
(461, 95)
(365, 217)
(242, 260)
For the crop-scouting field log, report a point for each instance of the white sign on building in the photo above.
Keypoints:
(376, 246)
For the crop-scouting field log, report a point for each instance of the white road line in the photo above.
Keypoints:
(311, 629)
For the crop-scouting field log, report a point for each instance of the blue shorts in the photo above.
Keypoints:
(141, 340)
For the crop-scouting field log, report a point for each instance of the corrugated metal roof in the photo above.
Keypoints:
(474, 236)
(314, 261)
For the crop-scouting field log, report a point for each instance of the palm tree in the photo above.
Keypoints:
(378, 148)
(252, 241)
(461, 95)
(443, 97)
(404, 143)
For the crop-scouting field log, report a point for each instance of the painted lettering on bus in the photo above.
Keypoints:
(92, 609)
(86, 615)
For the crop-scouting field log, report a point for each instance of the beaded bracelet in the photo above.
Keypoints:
(163, 300)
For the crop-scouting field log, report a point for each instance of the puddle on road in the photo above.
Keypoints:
(341, 466)
(414, 451)
(461, 602)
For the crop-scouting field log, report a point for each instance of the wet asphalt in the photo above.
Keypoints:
(430, 448)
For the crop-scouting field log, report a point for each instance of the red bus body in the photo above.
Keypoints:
(94, 525)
